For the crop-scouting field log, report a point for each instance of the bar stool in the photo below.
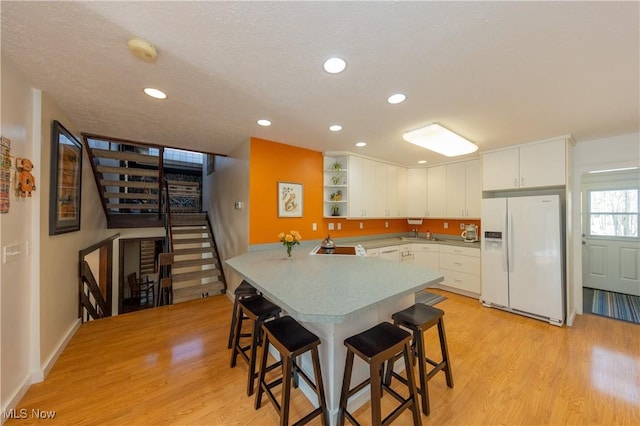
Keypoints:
(419, 318)
(259, 310)
(291, 340)
(243, 291)
(375, 346)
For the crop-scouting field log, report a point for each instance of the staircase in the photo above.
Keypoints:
(147, 257)
(196, 270)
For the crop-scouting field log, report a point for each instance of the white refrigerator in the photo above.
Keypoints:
(523, 256)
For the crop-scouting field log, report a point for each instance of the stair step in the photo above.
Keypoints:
(126, 156)
(130, 195)
(194, 262)
(132, 206)
(195, 275)
(191, 240)
(129, 184)
(187, 223)
(193, 230)
(195, 250)
(127, 171)
(195, 292)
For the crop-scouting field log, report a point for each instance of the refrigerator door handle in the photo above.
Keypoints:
(505, 260)
(509, 242)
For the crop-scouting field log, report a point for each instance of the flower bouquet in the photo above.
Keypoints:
(289, 240)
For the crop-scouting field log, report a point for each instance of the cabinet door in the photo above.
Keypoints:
(456, 190)
(542, 164)
(390, 253)
(436, 191)
(380, 190)
(417, 192)
(500, 170)
(473, 188)
(395, 192)
(361, 187)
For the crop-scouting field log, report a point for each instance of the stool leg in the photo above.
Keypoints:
(255, 335)
(262, 372)
(286, 390)
(445, 352)
(422, 370)
(376, 393)
(236, 338)
(319, 386)
(411, 381)
(346, 382)
(233, 322)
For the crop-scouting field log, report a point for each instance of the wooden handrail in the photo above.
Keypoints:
(102, 309)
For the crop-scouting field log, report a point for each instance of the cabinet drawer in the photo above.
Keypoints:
(433, 248)
(373, 252)
(464, 251)
(468, 264)
(461, 280)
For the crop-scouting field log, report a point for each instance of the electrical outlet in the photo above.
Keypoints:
(462, 226)
(446, 225)
(339, 226)
(386, 224)
(331, 226)
(361, 225)
(314, 226)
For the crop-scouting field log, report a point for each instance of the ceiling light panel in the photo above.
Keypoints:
(441, 140)
(264, 122)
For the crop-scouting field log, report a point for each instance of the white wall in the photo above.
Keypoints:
(228, 184)
(601, 154)
(39, 303)
(16, 278)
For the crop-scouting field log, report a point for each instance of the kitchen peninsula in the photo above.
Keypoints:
(334, 296)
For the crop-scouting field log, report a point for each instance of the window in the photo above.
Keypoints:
(613, 213)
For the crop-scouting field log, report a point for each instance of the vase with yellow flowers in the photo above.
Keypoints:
(289, 240)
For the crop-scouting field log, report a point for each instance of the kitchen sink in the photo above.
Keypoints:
(418, 239)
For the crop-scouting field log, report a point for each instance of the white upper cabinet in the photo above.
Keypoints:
(473, 188)
(437, 191)
(464, 190)
(361, 175)
(417, 192)
(527, 166)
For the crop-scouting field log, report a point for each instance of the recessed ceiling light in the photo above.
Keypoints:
(335, 127)
(441, 140)
(422, 162)
(334, 65)
(396, 98)
(155, 93)
(361, 144)
(264, 123)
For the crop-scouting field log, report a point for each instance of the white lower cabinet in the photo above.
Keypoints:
(460, 267)
(426, 255)
(390, 253)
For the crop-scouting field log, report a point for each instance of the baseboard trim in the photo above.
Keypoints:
(50, 362)
(571, 317)
(16, 397)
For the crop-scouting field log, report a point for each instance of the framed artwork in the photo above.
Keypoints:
(289, 199)
(66, 181)
(210, 163)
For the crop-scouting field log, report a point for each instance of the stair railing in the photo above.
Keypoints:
(215, 247)
(95, 302)
(165, 289)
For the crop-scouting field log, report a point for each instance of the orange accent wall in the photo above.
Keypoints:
(273, 162)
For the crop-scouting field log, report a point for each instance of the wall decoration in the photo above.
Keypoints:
(289, 199)
(66, 176)
(25, 182)
(5, 174)
(210, 163)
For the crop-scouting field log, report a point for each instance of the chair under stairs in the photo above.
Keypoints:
(196, 270)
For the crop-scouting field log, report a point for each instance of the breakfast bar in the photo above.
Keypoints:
(334, 296)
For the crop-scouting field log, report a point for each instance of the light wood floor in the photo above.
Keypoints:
(171, 366)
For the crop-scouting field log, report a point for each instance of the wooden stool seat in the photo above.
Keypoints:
(419, 318)
(258, 310)
(291, 340)
(244, 290)
(376, 346)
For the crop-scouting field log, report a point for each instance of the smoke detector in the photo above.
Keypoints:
(142, 49)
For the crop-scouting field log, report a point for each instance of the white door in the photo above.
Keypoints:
(611, 244)
(437, 191)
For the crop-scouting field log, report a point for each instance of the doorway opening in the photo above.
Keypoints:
(138, 261)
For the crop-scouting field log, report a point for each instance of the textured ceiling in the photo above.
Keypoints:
(498, 73)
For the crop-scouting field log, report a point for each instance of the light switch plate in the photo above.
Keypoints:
(331, 227)
(11, 252)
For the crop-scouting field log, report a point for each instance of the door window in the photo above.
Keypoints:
(613, 213)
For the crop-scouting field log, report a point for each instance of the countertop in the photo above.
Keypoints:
(329, 289)
(396, 241)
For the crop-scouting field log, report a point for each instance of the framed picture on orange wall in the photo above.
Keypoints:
(289, 199)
